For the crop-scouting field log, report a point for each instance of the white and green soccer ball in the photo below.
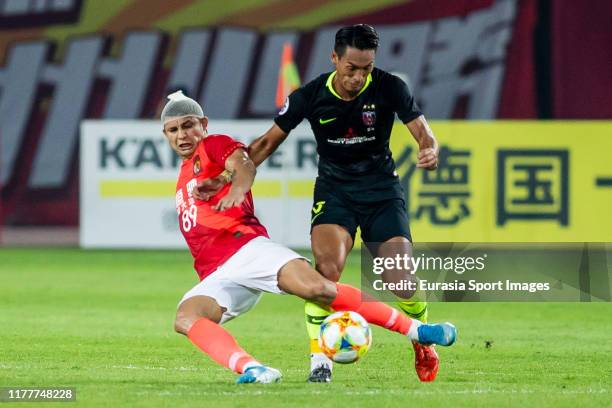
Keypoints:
(345, 337)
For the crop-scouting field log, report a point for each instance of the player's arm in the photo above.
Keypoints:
(259, 150)
(407, 110)
(242, 171)
(295, 109)
(262, 147)
(428, 145)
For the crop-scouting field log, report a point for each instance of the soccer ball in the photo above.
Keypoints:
(345, 337)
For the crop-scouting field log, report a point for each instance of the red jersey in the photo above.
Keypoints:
(213, 236)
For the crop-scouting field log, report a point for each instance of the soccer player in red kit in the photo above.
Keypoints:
(235, 259)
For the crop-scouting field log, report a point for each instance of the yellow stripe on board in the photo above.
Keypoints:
(137, 188)
(267, 188)
(160, 189)
(301, 188)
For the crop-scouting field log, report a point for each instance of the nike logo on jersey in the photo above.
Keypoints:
(324, 121)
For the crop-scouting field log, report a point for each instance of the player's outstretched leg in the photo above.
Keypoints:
(298, 278)
(198, 318)
(380, 314)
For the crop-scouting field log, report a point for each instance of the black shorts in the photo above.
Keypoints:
(379, 220)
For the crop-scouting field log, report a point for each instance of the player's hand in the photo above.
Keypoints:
(232, 199)
(428, 158)
(209, 187)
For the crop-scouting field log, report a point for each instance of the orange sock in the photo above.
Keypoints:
(215, 341)
(378, 313)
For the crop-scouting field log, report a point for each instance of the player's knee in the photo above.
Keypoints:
(330, 269)
(183, 322)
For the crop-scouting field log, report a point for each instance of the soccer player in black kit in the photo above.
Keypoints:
(351, 111)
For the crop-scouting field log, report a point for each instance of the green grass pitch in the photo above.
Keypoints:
(101, 321)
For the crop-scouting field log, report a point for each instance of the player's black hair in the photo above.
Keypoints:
(360, 36)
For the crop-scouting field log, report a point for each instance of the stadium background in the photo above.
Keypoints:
(69, 60)
(503, 83)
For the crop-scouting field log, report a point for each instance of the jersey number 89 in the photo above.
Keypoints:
(189, 217)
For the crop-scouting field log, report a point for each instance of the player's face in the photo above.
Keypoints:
(184, 134)
(353, 67)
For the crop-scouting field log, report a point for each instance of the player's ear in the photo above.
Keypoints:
(204, 123)
(334, 58)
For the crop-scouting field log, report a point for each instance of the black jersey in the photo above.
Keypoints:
(352, 136)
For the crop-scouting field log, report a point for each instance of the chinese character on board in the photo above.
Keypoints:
(532, 185)
(444, 193)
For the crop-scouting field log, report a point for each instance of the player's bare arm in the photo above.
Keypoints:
(262, 147)
(428, 145)
(243, 172)
(259, 150)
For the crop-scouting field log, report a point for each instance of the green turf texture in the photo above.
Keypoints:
(102, 321)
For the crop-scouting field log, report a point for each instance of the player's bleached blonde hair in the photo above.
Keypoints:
(180, 106)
